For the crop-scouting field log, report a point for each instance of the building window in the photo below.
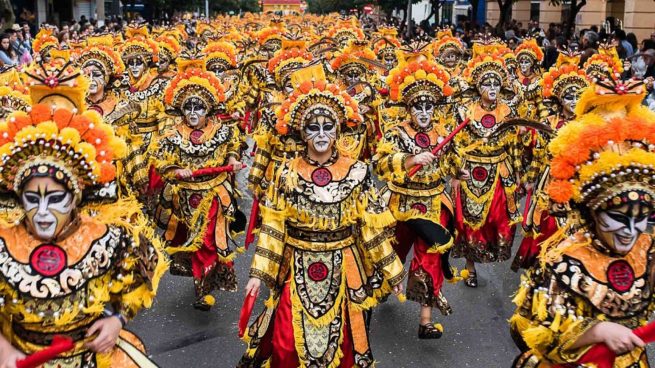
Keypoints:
(447, 11)
(535, 8)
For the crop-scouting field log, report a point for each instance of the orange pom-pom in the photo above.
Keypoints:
(95, 136)
(281, 128)
(80, 123)
(41, 113)
(561, 169)
(320, 85)
(306, 86)
(107, 172)
(447, 90)
(62, 118)
(560, 191)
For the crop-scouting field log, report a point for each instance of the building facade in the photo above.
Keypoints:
(282, 6)
(637, 16)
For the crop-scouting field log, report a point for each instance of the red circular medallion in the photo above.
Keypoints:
(48, 260)
(422, 140)
(479, 173)
(195, 136)
(488, 121)
(620, 275)
(526, 81)
(317, 271)
(194, 200)
(321, 176)
(420, 207)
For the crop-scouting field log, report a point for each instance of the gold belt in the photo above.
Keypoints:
(319, 240)
(416, 189)
(484, 159)
(203, 184)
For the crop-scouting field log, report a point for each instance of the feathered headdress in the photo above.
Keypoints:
(605, 157)
(220, 55)
(194, 82)
(292, 56)
(314, 95)
(557, 81)
(59, 140)
(530, 49)
(57, 83)
(104, 57)
(481, 67)
(418, 79)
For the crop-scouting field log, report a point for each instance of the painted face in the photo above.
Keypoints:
(422, 113)
(96, 79)
(195, 112)
(288, 86)
(619, 228)
(570, 101)
(449, 59)
(489, 89)
(136, 66)
(525, 65)
(352, 76)
(163, 64)
(390, 60)
(48, 207)
(320, 133)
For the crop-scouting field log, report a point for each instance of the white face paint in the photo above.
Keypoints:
(48, 207)
(620, 227)
(195, 112)
(390, 61)
(96, 79)
(449, 60)
(570, 101)
(136, 66)
(525, 65)
(352, 76)
(320, 133)
(163, 64)
(422, 113)
(489, 89)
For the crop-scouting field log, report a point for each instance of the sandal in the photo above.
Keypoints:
(430, 331)
(472, 280)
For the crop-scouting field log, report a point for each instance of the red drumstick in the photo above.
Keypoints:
(211, 171)
(246, 311)
(60, 344)
(602, 357)
(441, 145)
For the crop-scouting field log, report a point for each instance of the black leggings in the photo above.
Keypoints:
(434, 234)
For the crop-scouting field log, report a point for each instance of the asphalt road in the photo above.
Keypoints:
(475, 335)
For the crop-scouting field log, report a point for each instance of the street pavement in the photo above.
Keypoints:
(475, 335)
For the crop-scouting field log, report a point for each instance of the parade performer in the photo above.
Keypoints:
(142, 88)
(195, 212)
(596, 285)
(69, 265)
(561, 88)
(449, 51)
(273, 149)
(385, 46)
(361, 79)
(324, 249)
(485, 200)
(529, 57)
(103, 66)
(419, 203)
(169, 50)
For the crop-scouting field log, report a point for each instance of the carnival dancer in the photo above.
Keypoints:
(485, 201)
(70, 265)
(169, 50)
(360, 78)
(324, 249)
(562, 87)
(419, 203)
(596, 285)
(103, 66)
(449, 52)
(385, 46)
(143, 88)
(529, 57)
(195, 212)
